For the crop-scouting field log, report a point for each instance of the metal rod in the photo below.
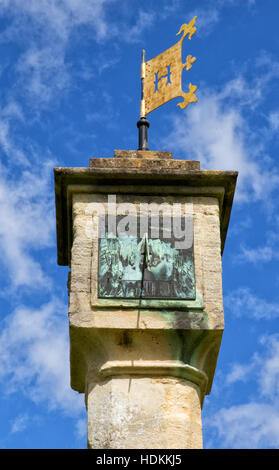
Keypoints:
(142, 103)
(143, 124)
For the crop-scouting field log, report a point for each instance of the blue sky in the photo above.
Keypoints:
(70, 90)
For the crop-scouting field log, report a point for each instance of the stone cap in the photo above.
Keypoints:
(143, 175)
(149, 154)
(143, 159)
(143, 163)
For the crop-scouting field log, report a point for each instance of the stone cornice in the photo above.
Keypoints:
(138, 176)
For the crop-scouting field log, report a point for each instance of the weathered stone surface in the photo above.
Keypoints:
(144, 163)
(145, 413)
(144, 368)
(142, 154)
(207, 252)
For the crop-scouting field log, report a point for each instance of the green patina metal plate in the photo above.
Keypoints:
(146, 260)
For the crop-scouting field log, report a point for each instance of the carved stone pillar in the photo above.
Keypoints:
(144, 336)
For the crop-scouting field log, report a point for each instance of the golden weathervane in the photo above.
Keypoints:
(161, 76)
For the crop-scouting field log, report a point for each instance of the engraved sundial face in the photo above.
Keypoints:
(150, 264)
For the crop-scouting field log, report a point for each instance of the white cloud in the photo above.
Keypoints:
(35, 356)
(263, 368)
(27, 221)
(43, 72)
(81, 428)
(217, 135)
(240, 372)
(8, 114)
(254, 424)
(59, 18)
(20, 423)
(248, 426)
(26, 224)
(243, 302)
(243, 224)
(12, 110)
(269, 372)
(236, 2)
(262, 253)
(209, 16)
(44, 31)
(145, 20)
(274, 120)
(169, 7)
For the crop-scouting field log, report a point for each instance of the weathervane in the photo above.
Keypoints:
(161, 81)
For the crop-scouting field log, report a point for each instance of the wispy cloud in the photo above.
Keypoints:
(264, 253)
(20, 423)
(274, 120)
(269, 372)
(261, 254)
(43, 72)
(255, 423)
(11, 115)
(207, 18)
(240, 372)
(263, 367)
(81, 428)
(211, 14)
(242, 302)
(144, 21)
(59, 18)
(26, 224)
(248, 426)
(43, 30)
(218, 134)
(35, 356)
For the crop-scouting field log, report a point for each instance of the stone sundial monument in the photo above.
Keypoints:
(143, 235)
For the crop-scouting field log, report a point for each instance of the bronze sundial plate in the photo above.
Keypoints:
(146, 258)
